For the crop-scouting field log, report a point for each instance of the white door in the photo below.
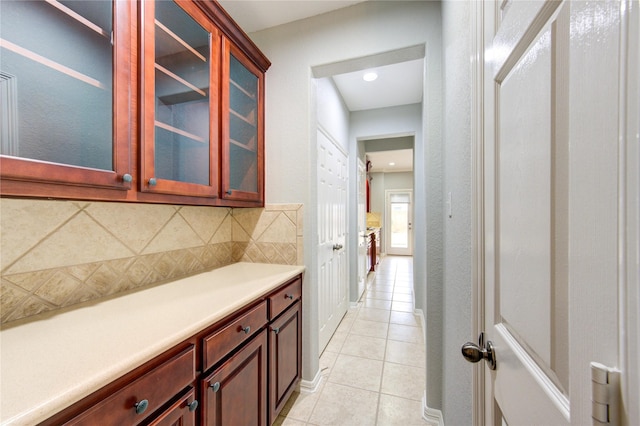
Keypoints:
(333, 286)
(398, 222)
(551, 206)
(362, 227)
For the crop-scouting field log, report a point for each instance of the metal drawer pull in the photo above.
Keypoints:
(141, 406)
(246, 329)
(215, 386)
(193, 405)
(288, 296)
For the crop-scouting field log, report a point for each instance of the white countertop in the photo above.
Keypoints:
(56, 359)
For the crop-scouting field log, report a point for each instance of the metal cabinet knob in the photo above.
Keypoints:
(215, 386)
(141, 406)
(127, 177)
(229, 191)
(288, 296)
(276, 330)
(193, 406)
(246, 329)
(152, 181)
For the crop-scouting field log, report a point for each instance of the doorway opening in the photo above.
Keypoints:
(398, 221)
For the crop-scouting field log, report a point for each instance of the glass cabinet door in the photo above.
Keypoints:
(242, 128)
(180, 98)
(61, 117)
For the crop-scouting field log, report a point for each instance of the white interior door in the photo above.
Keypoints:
(398, 222)
(333, 286)
(552, 201)
(362, 227)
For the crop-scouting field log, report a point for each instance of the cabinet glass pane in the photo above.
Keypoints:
(56, 73)
(181, 96)
(243, 130)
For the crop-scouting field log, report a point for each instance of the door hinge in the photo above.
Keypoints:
(605, 395)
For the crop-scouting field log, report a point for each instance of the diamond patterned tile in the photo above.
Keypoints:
(11, 296)
(135, 225)
(58, 289)
(103, 279)
(32, 305)
(94, 254)
(24, 223)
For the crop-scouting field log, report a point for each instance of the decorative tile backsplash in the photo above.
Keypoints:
(54, 254)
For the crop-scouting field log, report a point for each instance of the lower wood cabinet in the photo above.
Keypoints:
(146, 396)
(285, 357)
(182, 412)
(239, 371)
(236, 392)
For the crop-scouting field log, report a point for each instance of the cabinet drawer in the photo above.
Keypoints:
(217, 345)
(156, 387)
(283, 298)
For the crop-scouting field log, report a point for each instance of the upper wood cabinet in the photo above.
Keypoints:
(64, 103)
(180, 100)
(153, 101)
(242, 127)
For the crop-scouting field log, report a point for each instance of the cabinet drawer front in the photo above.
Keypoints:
(156, 387)
(284, 298)
(217, 345)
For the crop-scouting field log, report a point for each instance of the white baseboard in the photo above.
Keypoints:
(310, 386)
(432, 416)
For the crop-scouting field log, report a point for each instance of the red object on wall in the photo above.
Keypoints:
(368, 206)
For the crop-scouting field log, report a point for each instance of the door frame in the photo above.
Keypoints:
(628, 202)
(477, 201)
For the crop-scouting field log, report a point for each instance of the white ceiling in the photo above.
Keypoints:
(402, 160)
(397, 84)
(256, 15)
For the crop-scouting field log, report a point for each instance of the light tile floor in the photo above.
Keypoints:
(374, 365)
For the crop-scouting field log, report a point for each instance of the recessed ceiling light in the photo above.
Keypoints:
(392, 164)
(370, 76)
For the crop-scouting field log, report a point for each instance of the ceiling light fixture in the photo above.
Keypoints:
(370, 76)
(392, 164)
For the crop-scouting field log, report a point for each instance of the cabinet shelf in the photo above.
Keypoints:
(250, 148)
(180, 132)
(249, 119)
(251, 96)
(6, 44)
(180, 79)
(180, 40)
(81, 19)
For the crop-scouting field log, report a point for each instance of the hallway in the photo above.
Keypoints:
(374, 365)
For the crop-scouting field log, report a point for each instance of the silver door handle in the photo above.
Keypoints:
(475, 353)
(337, 247)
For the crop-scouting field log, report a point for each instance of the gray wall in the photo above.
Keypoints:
(368, 28)
(457, 373)
(382, 181)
